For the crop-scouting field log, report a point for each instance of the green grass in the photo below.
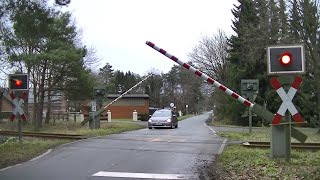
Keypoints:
(70, 127)
(264, 134)
(238, 162)
(13, 152)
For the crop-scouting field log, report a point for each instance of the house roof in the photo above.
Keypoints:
(128, 96)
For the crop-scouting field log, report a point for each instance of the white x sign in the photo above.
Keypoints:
(287, 100)
(17, 102)
(18, 109)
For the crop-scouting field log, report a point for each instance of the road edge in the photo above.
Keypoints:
(45, 153)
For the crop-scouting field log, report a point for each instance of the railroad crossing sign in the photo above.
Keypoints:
(17, 102)
(287, 100)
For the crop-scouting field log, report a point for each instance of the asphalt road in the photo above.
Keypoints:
(141, 154)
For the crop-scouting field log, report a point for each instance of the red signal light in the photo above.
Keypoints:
(285, 58)
(18, 82)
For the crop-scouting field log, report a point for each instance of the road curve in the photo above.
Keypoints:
(141, 154)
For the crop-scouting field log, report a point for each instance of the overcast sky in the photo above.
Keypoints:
(118, 29)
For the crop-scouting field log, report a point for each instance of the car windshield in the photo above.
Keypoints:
(161, 114)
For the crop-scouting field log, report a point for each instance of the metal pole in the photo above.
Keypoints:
(20, 129)
(250, 120)
(250, 114)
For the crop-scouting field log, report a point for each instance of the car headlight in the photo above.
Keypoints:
(168, 120)
(150, 120)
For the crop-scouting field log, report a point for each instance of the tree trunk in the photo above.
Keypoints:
(35, 110)
(48, 108)
(1, 96)
(42, 93)
(26, 102)
(40, 107)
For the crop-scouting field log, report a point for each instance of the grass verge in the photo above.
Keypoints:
(238, 162)
(13, 152)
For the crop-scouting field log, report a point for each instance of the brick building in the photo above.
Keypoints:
(124, 107)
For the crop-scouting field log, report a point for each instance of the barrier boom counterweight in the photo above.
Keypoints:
(256, 108)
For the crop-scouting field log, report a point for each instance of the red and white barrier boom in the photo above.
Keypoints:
(202, 75)
(257, 109)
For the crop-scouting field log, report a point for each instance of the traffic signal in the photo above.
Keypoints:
(287, 59)
(18, 82)
(99, 91)
(249, 85)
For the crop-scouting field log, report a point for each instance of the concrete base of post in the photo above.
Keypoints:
(281, 141)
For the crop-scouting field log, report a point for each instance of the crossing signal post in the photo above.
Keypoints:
(98, 94)
(285, 62)
(250, 89)
(18, 85)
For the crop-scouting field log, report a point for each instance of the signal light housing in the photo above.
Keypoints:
(18, 82)
(287, 59)
(99, 91)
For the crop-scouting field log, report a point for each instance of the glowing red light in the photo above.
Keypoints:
(285, 58)
(18, 82)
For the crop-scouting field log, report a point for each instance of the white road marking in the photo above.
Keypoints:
(9, 167)
(139, 175)
(29, 160)
(222, 146)
(49, 150)
(214, 132)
